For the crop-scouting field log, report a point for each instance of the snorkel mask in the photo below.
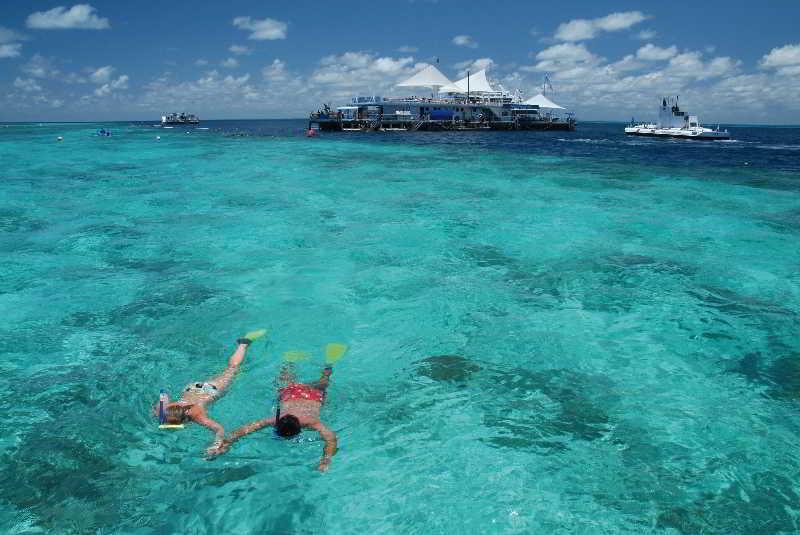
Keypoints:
(163, 400)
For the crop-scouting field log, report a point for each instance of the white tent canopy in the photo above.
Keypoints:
(544, 102)
(430, 76)
(477, 84)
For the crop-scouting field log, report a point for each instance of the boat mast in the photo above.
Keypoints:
(545, 84)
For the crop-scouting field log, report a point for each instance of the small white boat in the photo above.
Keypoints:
(672, 122)
(179, 118)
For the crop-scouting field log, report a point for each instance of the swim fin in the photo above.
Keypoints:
(333, 352)
(255, 335)
(295, 356)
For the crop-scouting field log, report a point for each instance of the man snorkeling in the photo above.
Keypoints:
(192, 405)
(298, 406)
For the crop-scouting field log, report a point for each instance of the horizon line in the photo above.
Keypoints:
(2, 122)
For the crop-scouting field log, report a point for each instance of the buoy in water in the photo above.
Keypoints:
(158, 138)
(59, 138)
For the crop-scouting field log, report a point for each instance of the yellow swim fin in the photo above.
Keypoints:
(333, 352)
(295, 356)
(255, 335)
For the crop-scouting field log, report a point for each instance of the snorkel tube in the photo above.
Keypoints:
(163, 399)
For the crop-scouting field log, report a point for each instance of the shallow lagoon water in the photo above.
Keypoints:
(549, 332)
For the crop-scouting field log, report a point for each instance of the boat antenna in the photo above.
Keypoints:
(467, 86)
(546, 84)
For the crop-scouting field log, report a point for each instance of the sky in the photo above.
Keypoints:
(730, 61)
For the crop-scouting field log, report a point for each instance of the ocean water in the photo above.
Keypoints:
(566, 333)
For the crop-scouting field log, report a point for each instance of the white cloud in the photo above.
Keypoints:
(27, 85)
(7, 35)
(690, 66)
(107, 89)
(209, 90)
(582, 29)
(785, 59)
(262, 30)
(42, 100)
(200, 62)
(230, 63)
(721, 66)
(407, 49)
(474, 66)
(464, 40)
(239, 50)
(11, 50)
(592, 86)
(101, 75)
(40, 67)
(562, 57)
(276, 71)
(74, 78)
(646, 35)
(628, 63)
(601, 89)
(651, 52)
(339, 76)
(79, 16)
(782, 56)
(619, 21)
(576, 30)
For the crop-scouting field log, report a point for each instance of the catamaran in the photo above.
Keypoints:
(471, 103)
(672, 122)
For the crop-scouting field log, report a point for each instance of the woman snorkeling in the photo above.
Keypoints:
(192, 405)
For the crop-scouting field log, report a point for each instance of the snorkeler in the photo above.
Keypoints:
(298, 406)
(191, 407)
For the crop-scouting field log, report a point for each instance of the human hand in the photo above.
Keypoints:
(324, 465)
(218, 448)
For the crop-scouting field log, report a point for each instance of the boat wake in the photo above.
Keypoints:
(779, 147)
(586, 140)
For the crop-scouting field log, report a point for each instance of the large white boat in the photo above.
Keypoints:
(471, 103)
(672, 122)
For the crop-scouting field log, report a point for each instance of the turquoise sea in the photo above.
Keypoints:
(550, 333)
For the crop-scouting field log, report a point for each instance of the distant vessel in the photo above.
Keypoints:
(672, 122)
(179, 118)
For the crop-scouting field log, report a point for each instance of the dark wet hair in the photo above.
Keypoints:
(287, 426)
(176, 414)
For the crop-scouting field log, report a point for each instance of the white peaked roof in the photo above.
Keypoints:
(543, 102)
(477, 82)
(451, 88)
(430, 76)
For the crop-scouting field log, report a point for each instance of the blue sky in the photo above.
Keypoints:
(730, 61)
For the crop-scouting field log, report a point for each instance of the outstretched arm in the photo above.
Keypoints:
(252, 427)
(199, 415)
(330, 445)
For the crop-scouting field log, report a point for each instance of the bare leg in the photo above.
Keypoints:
(238, 355)
(287, 375)
(324, 379)
(223, 380)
